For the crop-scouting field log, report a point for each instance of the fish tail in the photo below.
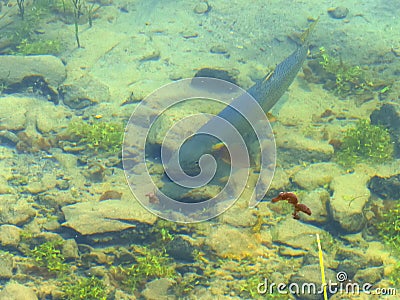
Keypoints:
(305, 35)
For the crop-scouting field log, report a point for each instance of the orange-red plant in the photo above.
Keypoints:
(292, 199)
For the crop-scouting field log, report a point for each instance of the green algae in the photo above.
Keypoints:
(150, 264)
(85, 288)
(349, 80)
(389, 229)
(98, 136)
(365, 143)
(49, 255)
(37, 47)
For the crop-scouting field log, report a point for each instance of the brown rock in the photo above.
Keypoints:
(295, 234)
(16, 291)
(6, 266)
(339, 12)
(70, 249)
(110, 195)
(370, 275)
(14, 210)
(10, 235)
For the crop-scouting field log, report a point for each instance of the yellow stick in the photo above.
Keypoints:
(321, 265)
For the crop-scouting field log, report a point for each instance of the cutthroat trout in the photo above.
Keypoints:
(266, 92)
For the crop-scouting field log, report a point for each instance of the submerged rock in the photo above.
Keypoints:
(6, 266)
(339, 12)
(220, 49)
(386, 188)
(348, 201)
(16, 291)
(295, 234)
(90, 218)
(86, 91)
(309, 276)
(370, 275)
(388, 116)
(30, 123)
(294, 148)
(14, 68)
(158, 289)
(202, 8)
(231, 242)
(317, 175)
(42, 74)
(350, 260)
(70, 249)
(10, 235)
(181, 249)
(317, 201)
(230, 76)
(15, 210)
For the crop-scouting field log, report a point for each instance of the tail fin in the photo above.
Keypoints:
(304, 36)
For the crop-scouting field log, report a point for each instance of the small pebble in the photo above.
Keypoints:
(175, 76)
(189, 34)
(202, 8)
(218, 49)
(396, 51)
(339, 12)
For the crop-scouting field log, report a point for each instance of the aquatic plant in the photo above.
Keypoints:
(150, 264)
(292, 199)
(90, 11)
(23, 34)
(348, 79)
(394, 276)
(365, 142)
(77, 13)
(163, 231)
(49, 255)
(389, 228)
(25, 28)
(3, 87)
(36, 14)
(84, 288)
(250, 273)
(186, 284)
(105, 136)
(249, 288)
(21, 8)
(27, 47)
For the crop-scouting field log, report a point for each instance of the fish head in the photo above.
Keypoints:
(193, 165)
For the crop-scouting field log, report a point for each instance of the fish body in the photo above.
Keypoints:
(266, 92)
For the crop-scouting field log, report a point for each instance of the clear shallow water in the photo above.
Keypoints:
(67, 213)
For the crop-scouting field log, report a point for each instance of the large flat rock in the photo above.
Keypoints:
(90, 218)
(14, 68)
